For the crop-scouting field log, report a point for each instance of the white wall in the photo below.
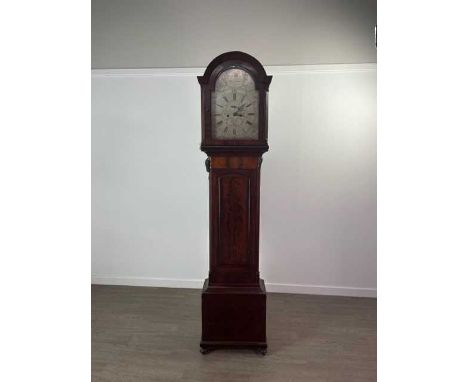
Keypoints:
(188, 33)
(318, 198)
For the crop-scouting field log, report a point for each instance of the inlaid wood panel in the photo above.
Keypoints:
(233, 219)
(235, 162)
(234, 224)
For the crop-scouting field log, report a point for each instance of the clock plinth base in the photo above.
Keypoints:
(208, 346)
(234, 317)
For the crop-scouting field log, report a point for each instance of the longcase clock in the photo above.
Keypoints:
(234, 92)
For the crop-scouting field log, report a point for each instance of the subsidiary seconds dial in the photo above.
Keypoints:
(234, 108)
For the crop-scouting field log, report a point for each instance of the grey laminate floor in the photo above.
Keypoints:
(152, 334)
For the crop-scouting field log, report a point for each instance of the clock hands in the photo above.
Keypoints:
(240, 109)
(239, 112)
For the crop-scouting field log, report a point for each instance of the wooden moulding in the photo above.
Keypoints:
(234, 162)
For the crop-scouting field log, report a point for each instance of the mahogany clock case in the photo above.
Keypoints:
(234, 296)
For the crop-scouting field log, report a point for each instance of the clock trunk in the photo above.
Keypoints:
(234, 296)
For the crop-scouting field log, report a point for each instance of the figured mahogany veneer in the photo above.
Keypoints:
(234, 296)
(234, 220)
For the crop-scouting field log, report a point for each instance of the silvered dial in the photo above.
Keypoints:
(234, 107)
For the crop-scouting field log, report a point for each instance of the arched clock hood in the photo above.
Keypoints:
(231, 60)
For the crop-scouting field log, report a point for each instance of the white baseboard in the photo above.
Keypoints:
(147, 281)
(271, 287)
(328, 290)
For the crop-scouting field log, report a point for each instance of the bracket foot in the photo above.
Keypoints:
(204, 350)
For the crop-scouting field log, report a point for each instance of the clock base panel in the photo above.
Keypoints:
(234, 317)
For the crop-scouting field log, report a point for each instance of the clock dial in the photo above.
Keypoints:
(234, 106)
